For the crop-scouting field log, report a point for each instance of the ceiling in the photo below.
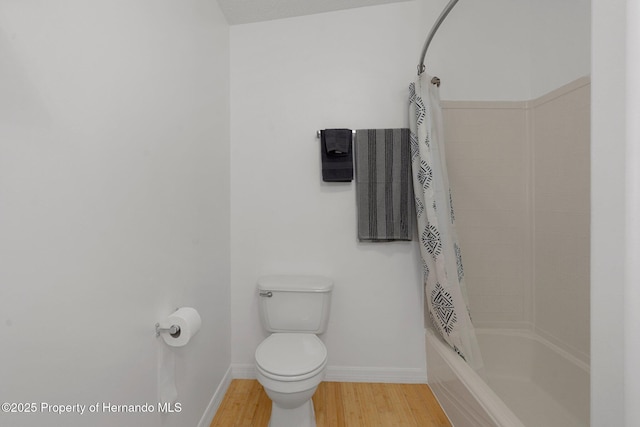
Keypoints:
(245, 11)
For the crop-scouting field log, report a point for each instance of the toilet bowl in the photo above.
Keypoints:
(291, 362)
(290, 366)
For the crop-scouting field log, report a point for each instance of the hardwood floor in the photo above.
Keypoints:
(339, 405)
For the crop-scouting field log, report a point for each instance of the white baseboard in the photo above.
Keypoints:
(243, 371)
(216, 400)
(354, 374)
(359, 374)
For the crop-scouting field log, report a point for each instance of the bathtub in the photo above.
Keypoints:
(528, 382)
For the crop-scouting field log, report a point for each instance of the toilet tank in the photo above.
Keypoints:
(295, 303)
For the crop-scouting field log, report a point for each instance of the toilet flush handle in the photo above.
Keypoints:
(267, 294)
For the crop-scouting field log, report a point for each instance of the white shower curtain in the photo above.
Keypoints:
(443, 273)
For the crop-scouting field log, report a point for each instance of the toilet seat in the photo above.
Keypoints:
(291, 356)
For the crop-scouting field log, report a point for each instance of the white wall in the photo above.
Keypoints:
(560, 51)
(632, 291)
(482, 51)
(114, 201)
(510, 50)
(608, 230)
(291, 78)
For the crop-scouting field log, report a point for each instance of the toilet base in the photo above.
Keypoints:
(302, 416)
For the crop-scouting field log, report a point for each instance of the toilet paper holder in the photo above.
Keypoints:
(174, 330)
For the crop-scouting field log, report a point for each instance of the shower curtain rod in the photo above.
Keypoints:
(432, 33)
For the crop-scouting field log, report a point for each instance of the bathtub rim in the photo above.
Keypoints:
(530, 334)
(496, 410)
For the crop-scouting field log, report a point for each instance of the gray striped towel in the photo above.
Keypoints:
(384, 185)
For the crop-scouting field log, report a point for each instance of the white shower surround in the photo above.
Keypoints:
(544, 363)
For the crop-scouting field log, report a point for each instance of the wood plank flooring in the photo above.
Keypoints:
(339, 405)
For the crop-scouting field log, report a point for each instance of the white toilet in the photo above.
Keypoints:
(291, 362)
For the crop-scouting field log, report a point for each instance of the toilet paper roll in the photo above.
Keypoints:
(188, 320)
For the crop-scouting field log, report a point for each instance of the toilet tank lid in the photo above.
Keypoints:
(297, 283)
